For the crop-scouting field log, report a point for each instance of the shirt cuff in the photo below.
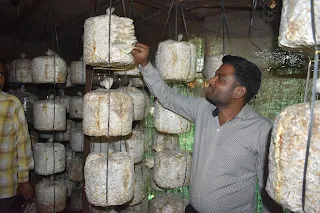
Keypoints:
(148, 70)
(23, 177)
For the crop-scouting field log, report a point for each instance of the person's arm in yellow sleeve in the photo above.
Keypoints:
(24, 155)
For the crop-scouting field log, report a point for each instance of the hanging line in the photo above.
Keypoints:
(83, 73)
(109, 99)
(56, 51)
(16, 37)
(177, 4)
(43, 35)
(176, 22)
(134, 13)
(312, 105)
(185, 149)
(27, 32)
(96, 4)
(187, 93)
(306, 90)
(45, 25)
(254, 7)
(167, 20)
(125, 76)
(124, 8)
(184, 20)
(223, 24)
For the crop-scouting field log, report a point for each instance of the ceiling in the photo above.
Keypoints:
(35, 20)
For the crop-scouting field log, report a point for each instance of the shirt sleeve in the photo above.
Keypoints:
(268, 204)
(23, 144)
(184, 106)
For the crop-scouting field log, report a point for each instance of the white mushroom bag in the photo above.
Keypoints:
(295, 26)
(119, 168)
(287, 158)
(49, 69)
(96, 40)
(176, 61)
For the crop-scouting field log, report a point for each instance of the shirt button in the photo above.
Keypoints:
(218, 130)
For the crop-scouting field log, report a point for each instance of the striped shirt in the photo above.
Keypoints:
(15, 146)
(226, 159)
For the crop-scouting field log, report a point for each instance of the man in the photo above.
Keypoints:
(231, 139)
(15, 150)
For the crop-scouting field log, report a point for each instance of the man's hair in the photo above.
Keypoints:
(4, 64)
(2, 61)
(246, 73)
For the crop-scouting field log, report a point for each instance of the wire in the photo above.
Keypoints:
(184, 21)
(312, 106)
(168, 17)
(124, 8)
(45, 24)
(307, 82)
(55, 42)
(109, 99)
(223, 24)
(167, 24)
(96, 5)
(176, 23)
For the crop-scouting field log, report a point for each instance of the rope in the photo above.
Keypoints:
(168, 17)
(108, 130)
(312, 105)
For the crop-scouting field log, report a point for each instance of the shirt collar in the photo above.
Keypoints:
(3, 96)
(243, 114)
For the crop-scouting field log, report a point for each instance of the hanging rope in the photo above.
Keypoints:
(109, 99)
(223, 24)
(134, 12)
(254, 7)
(54, 104)
(312, 105)
(184, 21)
(55, 43)
(177, 4)
(305, 99)
(176, 23)
(124, 8)
(45, 24)
(167, 20)
(16, 35)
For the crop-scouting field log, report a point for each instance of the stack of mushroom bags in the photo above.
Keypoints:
(50, 117)
(57, 160)
(290, 131)
(113, 171)
(170, 166)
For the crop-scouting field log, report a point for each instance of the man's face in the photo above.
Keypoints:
(2, 75)
(222, 86)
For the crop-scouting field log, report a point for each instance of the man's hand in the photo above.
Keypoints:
(25, 189)
(140, 54)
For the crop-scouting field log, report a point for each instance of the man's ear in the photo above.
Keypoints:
(240, 91)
